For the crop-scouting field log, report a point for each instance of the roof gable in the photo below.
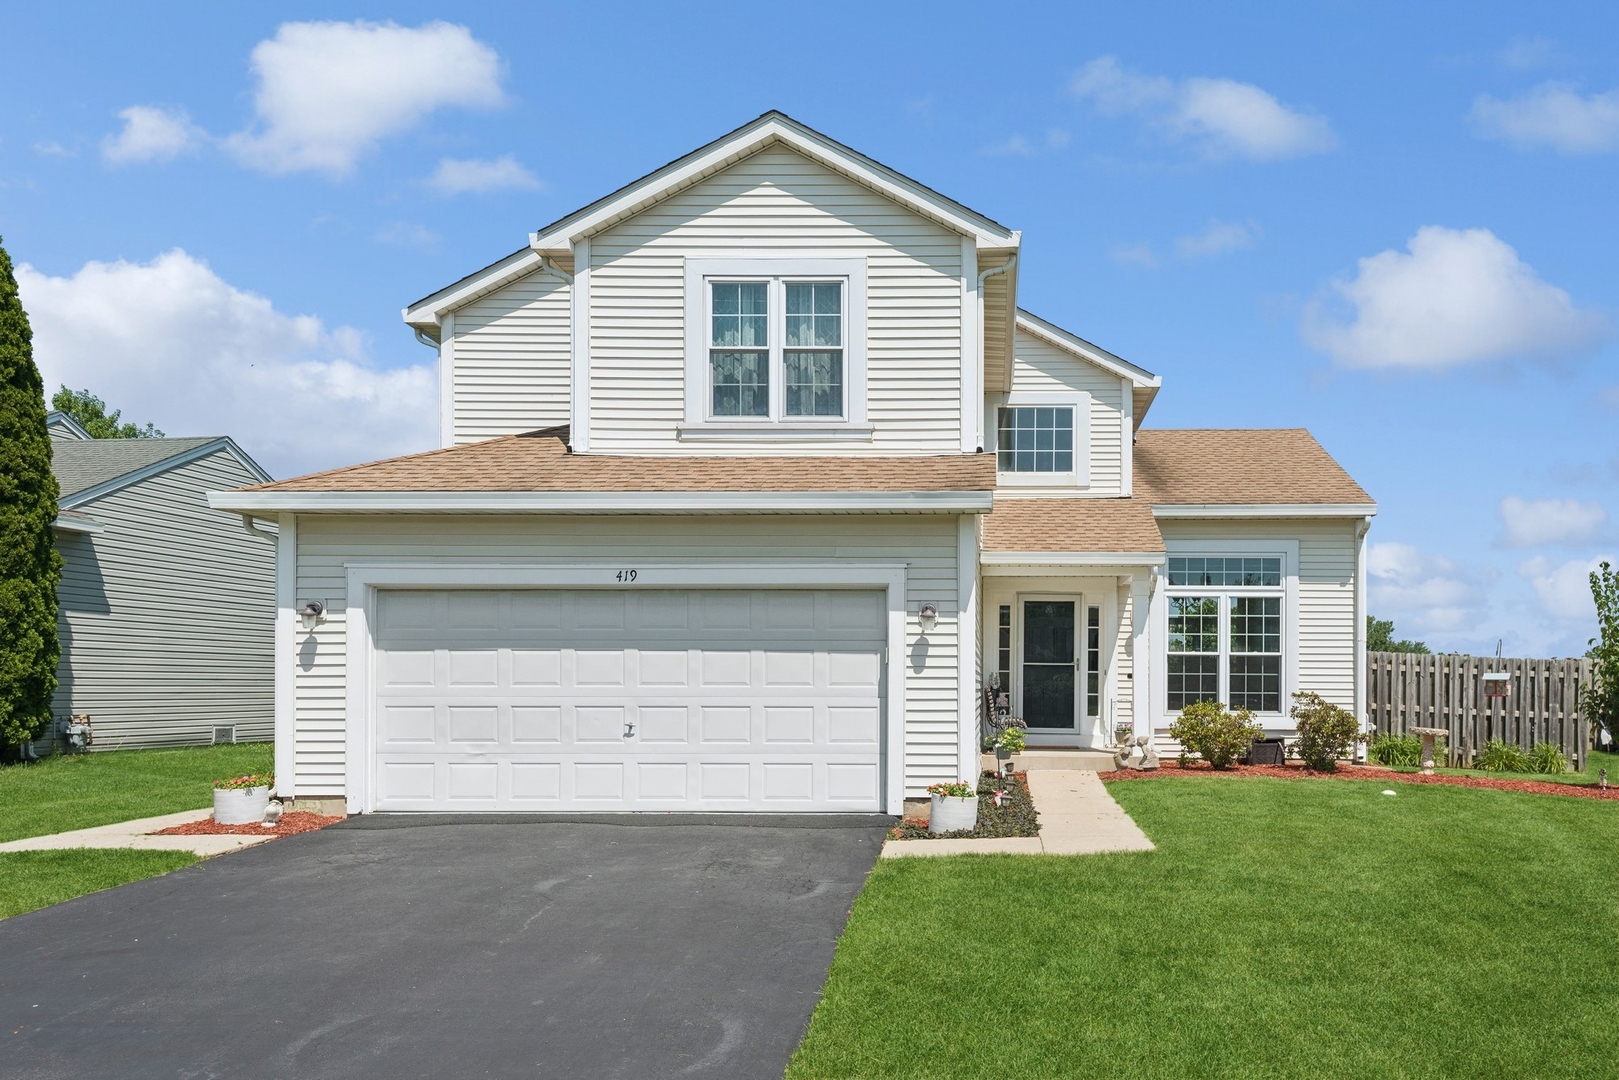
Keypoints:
(89, 469)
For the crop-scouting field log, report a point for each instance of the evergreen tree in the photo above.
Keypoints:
(29, 563)
(90, 412)
(1603, 703)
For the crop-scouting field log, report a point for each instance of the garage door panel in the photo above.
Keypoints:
(659, 700)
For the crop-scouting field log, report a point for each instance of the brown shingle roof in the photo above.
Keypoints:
(540, 461)
(1070, 524)
(1267, 466)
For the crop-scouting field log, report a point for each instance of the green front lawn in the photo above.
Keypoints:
(80, 791)
(36, 879)
(1283, 928)
(1595, 761)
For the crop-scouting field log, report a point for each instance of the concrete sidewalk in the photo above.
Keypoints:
(1077, 817)
(136, 835)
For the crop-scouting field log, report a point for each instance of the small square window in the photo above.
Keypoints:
(1035, 439)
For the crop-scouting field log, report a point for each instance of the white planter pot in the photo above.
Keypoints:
(952, 814)
(244, 807)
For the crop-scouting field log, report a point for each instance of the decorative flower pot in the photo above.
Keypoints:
(245, 806)
(951, 814)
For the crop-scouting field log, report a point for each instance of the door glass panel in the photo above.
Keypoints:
(1048, 663)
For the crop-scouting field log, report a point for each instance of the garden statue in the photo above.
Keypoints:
(1428, 735)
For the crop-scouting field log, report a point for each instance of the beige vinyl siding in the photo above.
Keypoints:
(512, 359)
(166, 618)
(1326, 615)
(1043, 368)
(927, 544)
(778, 201)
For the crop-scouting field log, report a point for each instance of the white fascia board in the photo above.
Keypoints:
(79, 523)
(135, 476)
(426, 312)
(1071, 558)
(1264, 510)
(603, 502)
(1062, 339)
(56, 416)
(747, 141)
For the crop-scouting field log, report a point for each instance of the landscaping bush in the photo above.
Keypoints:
(1214, 733)
(1403, 751)
(1012, 741)
(1498, 756)
(1547, 758)
(1327, 732)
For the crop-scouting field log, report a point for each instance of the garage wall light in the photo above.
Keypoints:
(928, 617)
(312, 613)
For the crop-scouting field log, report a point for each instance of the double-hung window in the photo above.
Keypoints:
(1224, 635)
(774, 344)
(1043, 440)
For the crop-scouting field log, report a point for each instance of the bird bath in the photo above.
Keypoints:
(1429, 734)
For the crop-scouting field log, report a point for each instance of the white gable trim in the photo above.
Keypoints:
(426, 312)
(1078, 346)
(768, 129)
(56, 418)
(135, 476)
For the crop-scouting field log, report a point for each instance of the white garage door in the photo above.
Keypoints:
(638, 700)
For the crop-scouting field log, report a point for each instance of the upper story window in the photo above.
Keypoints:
(775, 349)
(1043, 439)
(746, 360)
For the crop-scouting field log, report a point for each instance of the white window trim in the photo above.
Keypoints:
(699, 425)
(1080, 402)
(1288, 551)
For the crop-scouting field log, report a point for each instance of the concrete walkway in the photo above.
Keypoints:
(1077, 817)
(137, 835)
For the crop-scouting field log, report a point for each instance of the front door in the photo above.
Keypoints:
(1048, 664)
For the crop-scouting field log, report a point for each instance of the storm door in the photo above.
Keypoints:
(1049, 640)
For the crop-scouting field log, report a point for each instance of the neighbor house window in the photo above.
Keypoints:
(776, 332)
(1036, 439)
(1224, 639)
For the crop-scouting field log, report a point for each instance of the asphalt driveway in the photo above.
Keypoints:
(440, 947)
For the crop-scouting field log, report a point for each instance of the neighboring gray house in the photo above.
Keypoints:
(166, 607)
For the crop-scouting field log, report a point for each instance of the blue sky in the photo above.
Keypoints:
(1394, 227)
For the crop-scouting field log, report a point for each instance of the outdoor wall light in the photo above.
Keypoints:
(312, 613)
(928, 617)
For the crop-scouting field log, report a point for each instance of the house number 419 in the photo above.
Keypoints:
(627, 576)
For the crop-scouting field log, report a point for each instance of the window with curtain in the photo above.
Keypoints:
(777, 332)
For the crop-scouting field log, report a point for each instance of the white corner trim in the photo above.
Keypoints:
(774, 266)
(972, 352)
(579, 336)
(604, 502)
(286, 656)
(967, 649)
(364, 579)
(1127, 437)
(1263, 510)
(446, 380)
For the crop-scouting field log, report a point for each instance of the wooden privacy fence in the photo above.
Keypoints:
(1544, 702)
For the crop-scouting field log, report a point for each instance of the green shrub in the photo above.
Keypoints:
(1327, 732)
(1217, 735)
(1498, 756)
(1403, 751)
(1547, 758)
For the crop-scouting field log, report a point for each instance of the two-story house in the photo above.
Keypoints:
(753, 474)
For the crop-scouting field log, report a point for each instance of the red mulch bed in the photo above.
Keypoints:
(289, 825)
(1366, 772)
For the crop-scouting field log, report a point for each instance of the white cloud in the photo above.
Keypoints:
(151, 134)
(456, 177)
(1564, 589)
(1218, 238)
(1524, 53)
(328, 92)
(52, 148)
(1549, 521)
(170, 342)
(1554, 115)
(1455, 296)
(1224, 117)
(1135, 255)
(1423, 592)
(406, 234)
